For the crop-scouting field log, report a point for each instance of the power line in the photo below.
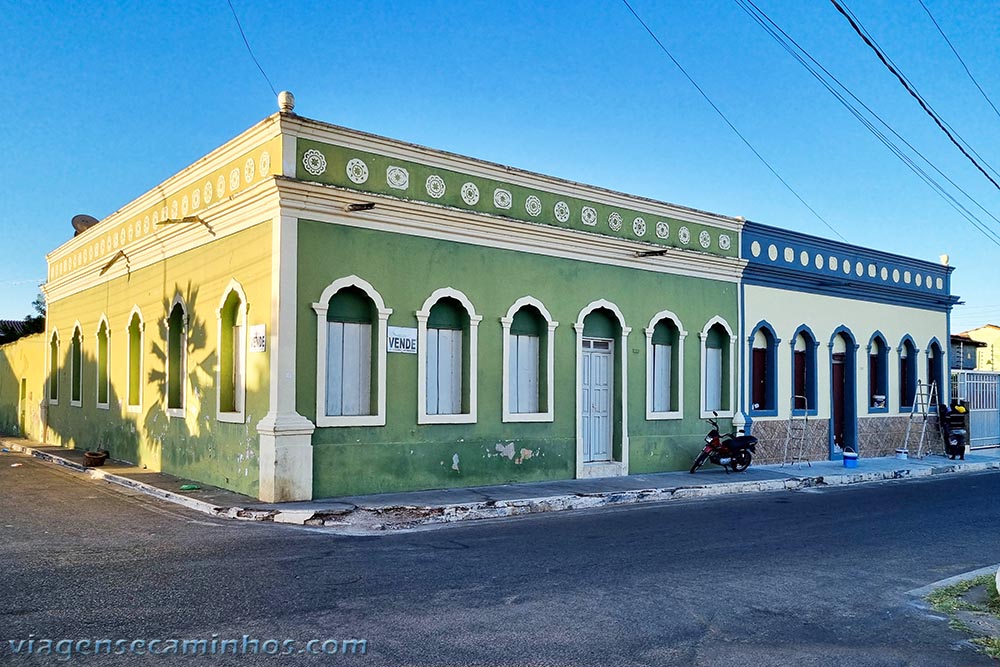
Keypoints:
(727, 121)
(866, 38)
(955, 51)
(249, 50)
(814, 67)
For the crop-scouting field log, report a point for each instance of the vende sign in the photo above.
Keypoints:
(402, 339)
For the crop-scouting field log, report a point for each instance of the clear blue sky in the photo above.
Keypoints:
(105, 100)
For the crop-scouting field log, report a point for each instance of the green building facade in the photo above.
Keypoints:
(311, 311)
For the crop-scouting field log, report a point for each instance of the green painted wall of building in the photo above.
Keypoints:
(405, 270)
(197, 445)
(371, 172)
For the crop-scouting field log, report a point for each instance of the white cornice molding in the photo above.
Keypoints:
(264, 131)
(325, 203)
(323, 132)
(255, 205)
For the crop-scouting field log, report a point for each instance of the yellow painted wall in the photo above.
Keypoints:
(987, 358)
(23, 360)
(197, 446)
(787, 310)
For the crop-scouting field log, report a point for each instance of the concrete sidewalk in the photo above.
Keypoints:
(394, 511)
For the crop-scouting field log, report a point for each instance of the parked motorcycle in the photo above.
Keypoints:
(727, 450)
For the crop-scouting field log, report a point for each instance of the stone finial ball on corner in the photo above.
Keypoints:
(286, 102)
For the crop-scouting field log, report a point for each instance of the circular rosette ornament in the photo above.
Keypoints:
(615, 221)
(435, 186)
(397, 177)
(357, 171)
(561, 211)
(314, 162)
(470, 194)
(502, 198)
(533, 205)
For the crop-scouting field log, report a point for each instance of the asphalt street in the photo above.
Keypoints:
(814, 577)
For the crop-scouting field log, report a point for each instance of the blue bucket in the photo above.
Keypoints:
(850, 459)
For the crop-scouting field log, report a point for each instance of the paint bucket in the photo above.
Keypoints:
(850, 459)
(901, 453)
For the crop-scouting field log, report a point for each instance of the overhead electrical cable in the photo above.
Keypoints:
(867, 39)
(250, 50)
(817, 70)
(728, 122)
(964, 66)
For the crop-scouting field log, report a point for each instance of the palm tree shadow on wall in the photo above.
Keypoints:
(186, 440)
(182, 434)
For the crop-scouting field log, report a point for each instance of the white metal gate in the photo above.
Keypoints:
(982, 393)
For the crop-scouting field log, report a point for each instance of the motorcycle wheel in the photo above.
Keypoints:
(698, 462)
(741, 460)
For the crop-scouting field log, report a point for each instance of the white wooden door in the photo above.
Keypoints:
(595, 399)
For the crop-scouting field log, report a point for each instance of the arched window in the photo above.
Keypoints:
(907, 374)
(844, 391)
(177, 324)
(528, 361)
(447, 339)
(76, 367)
(103, 364)
(804, 396)
(54, 368)
(935, 375)
(231, 378)
(135, 331)
(351, 354)
(878, 374)
(763, 370)
(716, 368)
(664, 367)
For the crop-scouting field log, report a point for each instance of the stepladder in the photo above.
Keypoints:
(797, 434)
(924, 398)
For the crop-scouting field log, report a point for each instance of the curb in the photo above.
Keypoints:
(360, 520)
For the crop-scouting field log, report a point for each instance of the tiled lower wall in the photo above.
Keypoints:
(877, 436)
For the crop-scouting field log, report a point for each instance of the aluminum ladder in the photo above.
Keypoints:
(924, 397)
(797, 433)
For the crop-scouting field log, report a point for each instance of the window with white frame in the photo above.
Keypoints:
(349, 354)
(103, 364)
(134, 385)
(76, 368)
(528, 339)
(351, 346)
(526, 379)
(231, 379)
(447, 334)
(664, 366)
(176, 359)
(717, 371)
(445, 358)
